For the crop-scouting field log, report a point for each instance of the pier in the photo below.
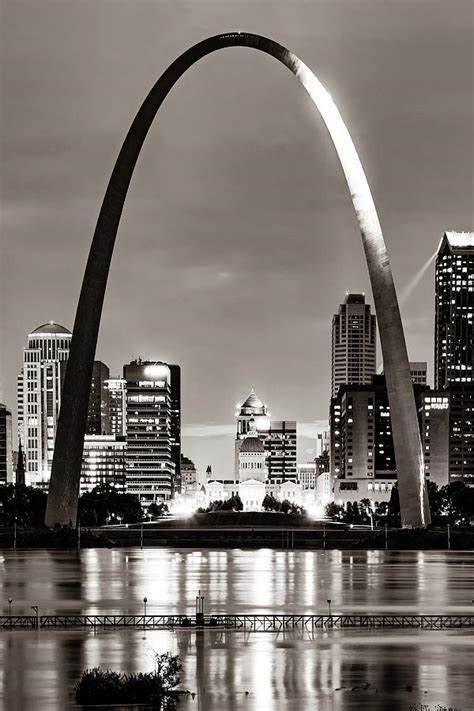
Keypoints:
(244, 622)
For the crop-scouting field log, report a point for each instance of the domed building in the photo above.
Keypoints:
(252, 470)
(265, 459)
(253, 409)
(39, 397)
(252, 457)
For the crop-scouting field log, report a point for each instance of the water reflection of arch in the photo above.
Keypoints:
(66, 469)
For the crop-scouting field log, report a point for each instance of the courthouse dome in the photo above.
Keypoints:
(254, 404)
(252, 445)
(52, 327)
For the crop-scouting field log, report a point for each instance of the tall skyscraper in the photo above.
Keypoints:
(39, 398)
(461, 432)
(6, 446)
(353, 343)
(175, 426)
(117, 394)
(150, 469)
(98, 419)
(454, 309)
(278, 438)
(454, 334)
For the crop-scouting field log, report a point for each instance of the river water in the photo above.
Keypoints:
(334, 670)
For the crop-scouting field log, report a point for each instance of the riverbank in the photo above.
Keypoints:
(229, 529)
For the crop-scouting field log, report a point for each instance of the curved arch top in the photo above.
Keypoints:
(66, 468)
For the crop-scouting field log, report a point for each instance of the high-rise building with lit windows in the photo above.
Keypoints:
(39, 398)
(454, 309)
(6, 447)
(454, 335)
(175, 425)
(361, 432)
(103, 462)
(434, 415)
(461, 432)
(353, 343)
(363, 463)
(150, 467)
(98, 416)
(117, 394)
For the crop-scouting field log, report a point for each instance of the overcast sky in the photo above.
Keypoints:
(238, 239)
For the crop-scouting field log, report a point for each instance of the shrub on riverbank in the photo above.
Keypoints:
(103, 686)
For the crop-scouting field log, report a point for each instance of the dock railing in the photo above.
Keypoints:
(244, 622)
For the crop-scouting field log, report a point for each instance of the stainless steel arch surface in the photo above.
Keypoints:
(66, 468)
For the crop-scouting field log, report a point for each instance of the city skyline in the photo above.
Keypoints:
(301, 282)
(237, 354)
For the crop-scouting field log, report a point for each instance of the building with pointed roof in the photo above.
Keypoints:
(20, 465)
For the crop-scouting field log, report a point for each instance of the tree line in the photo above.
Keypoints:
(26, 506)
(453, 504)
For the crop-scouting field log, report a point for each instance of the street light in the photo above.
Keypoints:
(329, 603)
(145, 600)
(10, 600)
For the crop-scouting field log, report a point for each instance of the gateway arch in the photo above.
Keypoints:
(66, 468)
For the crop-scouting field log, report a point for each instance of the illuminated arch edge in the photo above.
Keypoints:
(66, 467)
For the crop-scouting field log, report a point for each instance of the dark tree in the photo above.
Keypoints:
(458, 503)
(336, 512)
(22, 503)
(234, 503)
(270, 503)
(157, 510)
(104, 504)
